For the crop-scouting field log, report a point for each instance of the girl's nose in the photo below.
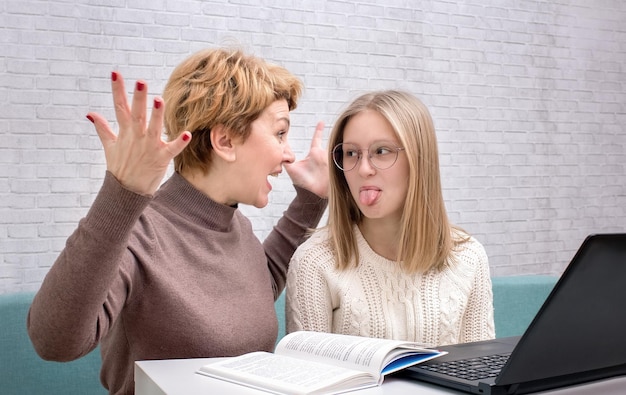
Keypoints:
(364, 166)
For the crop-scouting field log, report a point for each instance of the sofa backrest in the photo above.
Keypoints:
(516, 301)
(22, 371)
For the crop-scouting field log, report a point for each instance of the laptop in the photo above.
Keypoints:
(578, 335)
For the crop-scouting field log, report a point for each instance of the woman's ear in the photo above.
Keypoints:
(222, 143)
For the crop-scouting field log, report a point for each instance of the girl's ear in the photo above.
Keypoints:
(222, 143)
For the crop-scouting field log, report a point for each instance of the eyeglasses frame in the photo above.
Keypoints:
(369, 157)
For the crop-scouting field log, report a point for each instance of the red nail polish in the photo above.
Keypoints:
(186, 137)
(140, 86)
(157, 104)
(114, 76)
(89, 117)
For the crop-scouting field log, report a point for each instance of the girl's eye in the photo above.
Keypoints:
(380, 151)
(281, 135)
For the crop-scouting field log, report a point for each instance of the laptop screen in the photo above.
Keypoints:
(582, 325)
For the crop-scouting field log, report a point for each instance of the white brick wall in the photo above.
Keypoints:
(529, 98)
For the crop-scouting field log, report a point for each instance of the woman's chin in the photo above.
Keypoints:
(261, 201)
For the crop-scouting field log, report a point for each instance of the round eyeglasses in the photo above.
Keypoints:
(382, 155)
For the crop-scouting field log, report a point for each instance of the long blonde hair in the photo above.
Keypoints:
(427, 239)
(221, 87)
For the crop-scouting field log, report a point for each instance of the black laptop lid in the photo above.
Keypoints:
(582, 325)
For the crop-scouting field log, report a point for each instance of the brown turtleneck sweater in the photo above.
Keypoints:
(173, 276)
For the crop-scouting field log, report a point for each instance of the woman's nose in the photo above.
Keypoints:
(288, 155)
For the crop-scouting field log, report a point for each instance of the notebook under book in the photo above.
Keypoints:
(578, 335)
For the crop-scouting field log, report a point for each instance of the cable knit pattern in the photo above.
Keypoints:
(379, 299)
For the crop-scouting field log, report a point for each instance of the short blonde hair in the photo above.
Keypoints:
(221, 87)
(426, 236)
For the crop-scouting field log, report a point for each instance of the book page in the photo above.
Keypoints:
(286, 375)
(352, 352)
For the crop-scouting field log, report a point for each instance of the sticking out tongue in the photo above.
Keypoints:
(369, 196)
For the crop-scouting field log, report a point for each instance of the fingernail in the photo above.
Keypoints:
(157, 104)
(89, 117)
(140, 86)
(114, 76)
(186, 137)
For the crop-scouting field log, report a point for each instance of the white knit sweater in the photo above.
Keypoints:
(379, 299)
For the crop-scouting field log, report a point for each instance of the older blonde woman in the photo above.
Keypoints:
(176, 271)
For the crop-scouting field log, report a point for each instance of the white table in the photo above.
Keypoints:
(178, 377)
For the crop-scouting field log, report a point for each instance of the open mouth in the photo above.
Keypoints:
(272, 179)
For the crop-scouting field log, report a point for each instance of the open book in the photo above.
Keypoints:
(320, 363)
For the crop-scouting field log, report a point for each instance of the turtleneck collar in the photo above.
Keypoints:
(182, 197)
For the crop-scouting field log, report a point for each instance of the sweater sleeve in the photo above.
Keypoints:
(83, 292)
(302, 215)
(478, 321)
(309, 299)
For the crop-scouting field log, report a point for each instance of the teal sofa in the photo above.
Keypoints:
(516, 301)
(22, 372)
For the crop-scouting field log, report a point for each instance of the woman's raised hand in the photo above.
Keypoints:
(137, 156)
(311, 173)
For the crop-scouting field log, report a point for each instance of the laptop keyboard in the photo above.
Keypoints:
(470, 369)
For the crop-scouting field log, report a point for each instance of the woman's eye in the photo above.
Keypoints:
(351, 153)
